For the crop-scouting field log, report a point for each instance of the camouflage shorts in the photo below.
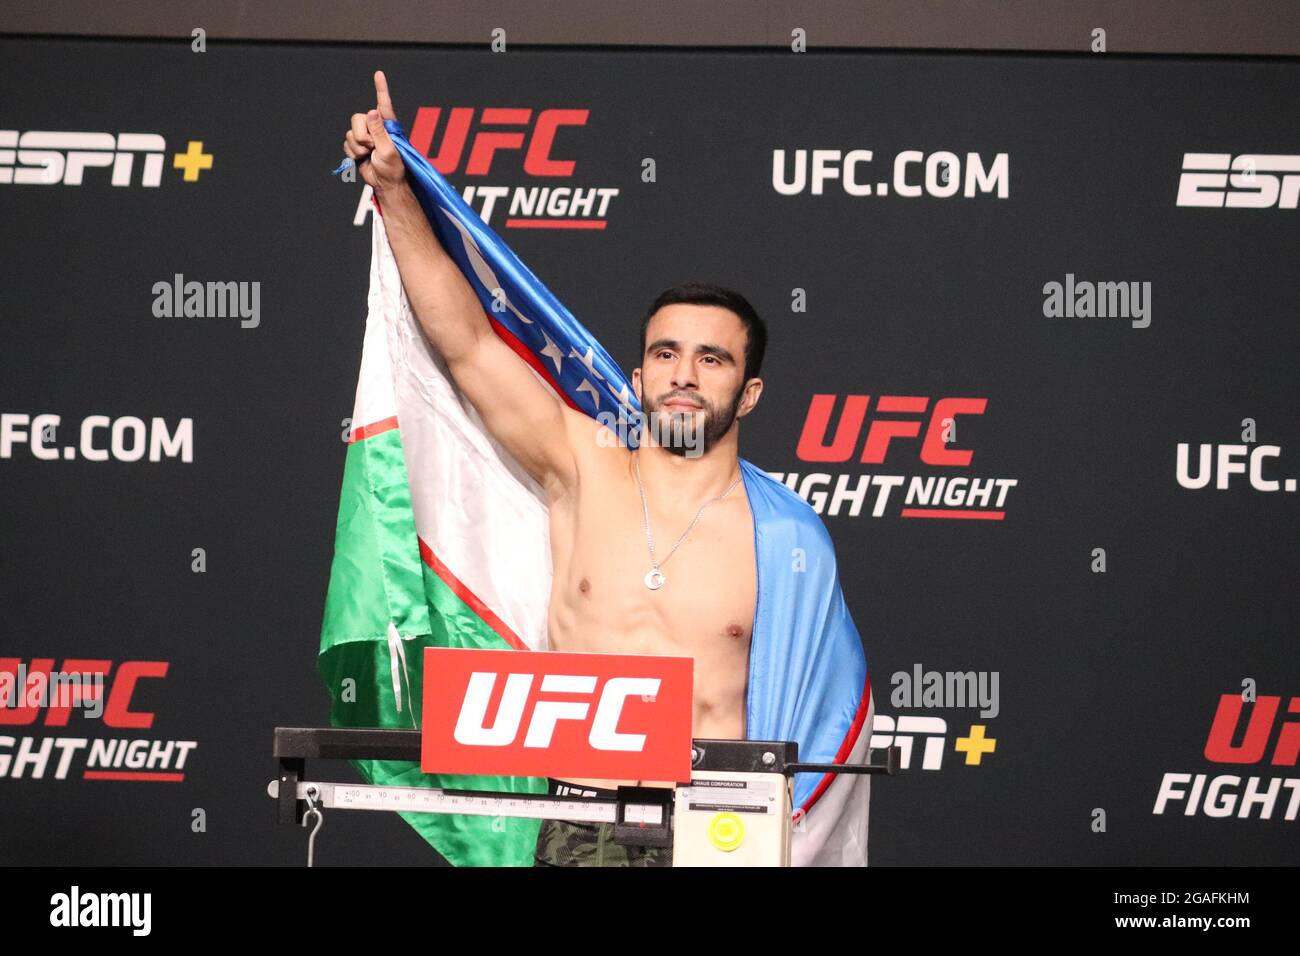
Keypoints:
(561, 843)
(565, 843)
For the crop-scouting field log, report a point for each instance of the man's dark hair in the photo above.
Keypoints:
(704, 293)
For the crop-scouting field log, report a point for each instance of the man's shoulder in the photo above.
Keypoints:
(782, 495)
(783, 500)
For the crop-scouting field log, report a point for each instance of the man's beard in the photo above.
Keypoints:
(681, 433)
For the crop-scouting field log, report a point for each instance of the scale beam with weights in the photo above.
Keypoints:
(736, 810)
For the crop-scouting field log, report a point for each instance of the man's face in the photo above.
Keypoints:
(691, 383)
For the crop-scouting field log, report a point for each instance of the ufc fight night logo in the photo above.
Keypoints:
(109, 709)
(522, 713)
(496, 130)
(900, 427)
(1269, 743)
(479, 142)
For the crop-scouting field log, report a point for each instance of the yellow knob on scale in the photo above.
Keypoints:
(726, 831)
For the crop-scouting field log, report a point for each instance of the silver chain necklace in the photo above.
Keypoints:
(654, 578)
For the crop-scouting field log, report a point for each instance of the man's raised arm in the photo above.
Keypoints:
(519, 411)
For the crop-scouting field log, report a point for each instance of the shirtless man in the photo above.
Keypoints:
(702, 348)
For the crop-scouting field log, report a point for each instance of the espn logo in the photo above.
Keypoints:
(899, 732)
(524, 714)
(48, 158)
(1207, 176)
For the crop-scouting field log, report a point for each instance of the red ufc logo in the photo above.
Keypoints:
(499, 129)
(27, 689)
(540, 714)
(1219, 747)
(940, 428)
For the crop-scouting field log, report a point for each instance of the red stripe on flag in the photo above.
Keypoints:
(470, 598)
(516, 346)
(527, 354)
(850, 739)
(374, 428)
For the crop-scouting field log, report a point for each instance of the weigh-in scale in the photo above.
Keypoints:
(736, 811)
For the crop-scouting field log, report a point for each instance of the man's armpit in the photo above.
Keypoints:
(591, 443)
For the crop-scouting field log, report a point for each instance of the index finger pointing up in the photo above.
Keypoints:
(382, 101)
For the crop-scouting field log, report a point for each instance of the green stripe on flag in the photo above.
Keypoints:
(377, 577)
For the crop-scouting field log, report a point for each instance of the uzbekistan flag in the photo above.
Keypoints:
(442, 540)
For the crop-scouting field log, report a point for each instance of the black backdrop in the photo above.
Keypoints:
(1108, 681)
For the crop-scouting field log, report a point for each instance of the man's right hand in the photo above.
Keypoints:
(368, 144)
(524, 415)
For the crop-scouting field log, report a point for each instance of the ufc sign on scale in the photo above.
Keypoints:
(535, 714)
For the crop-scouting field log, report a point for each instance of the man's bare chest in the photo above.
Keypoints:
(709, 578)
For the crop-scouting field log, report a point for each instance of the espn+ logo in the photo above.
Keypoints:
(54, 157)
